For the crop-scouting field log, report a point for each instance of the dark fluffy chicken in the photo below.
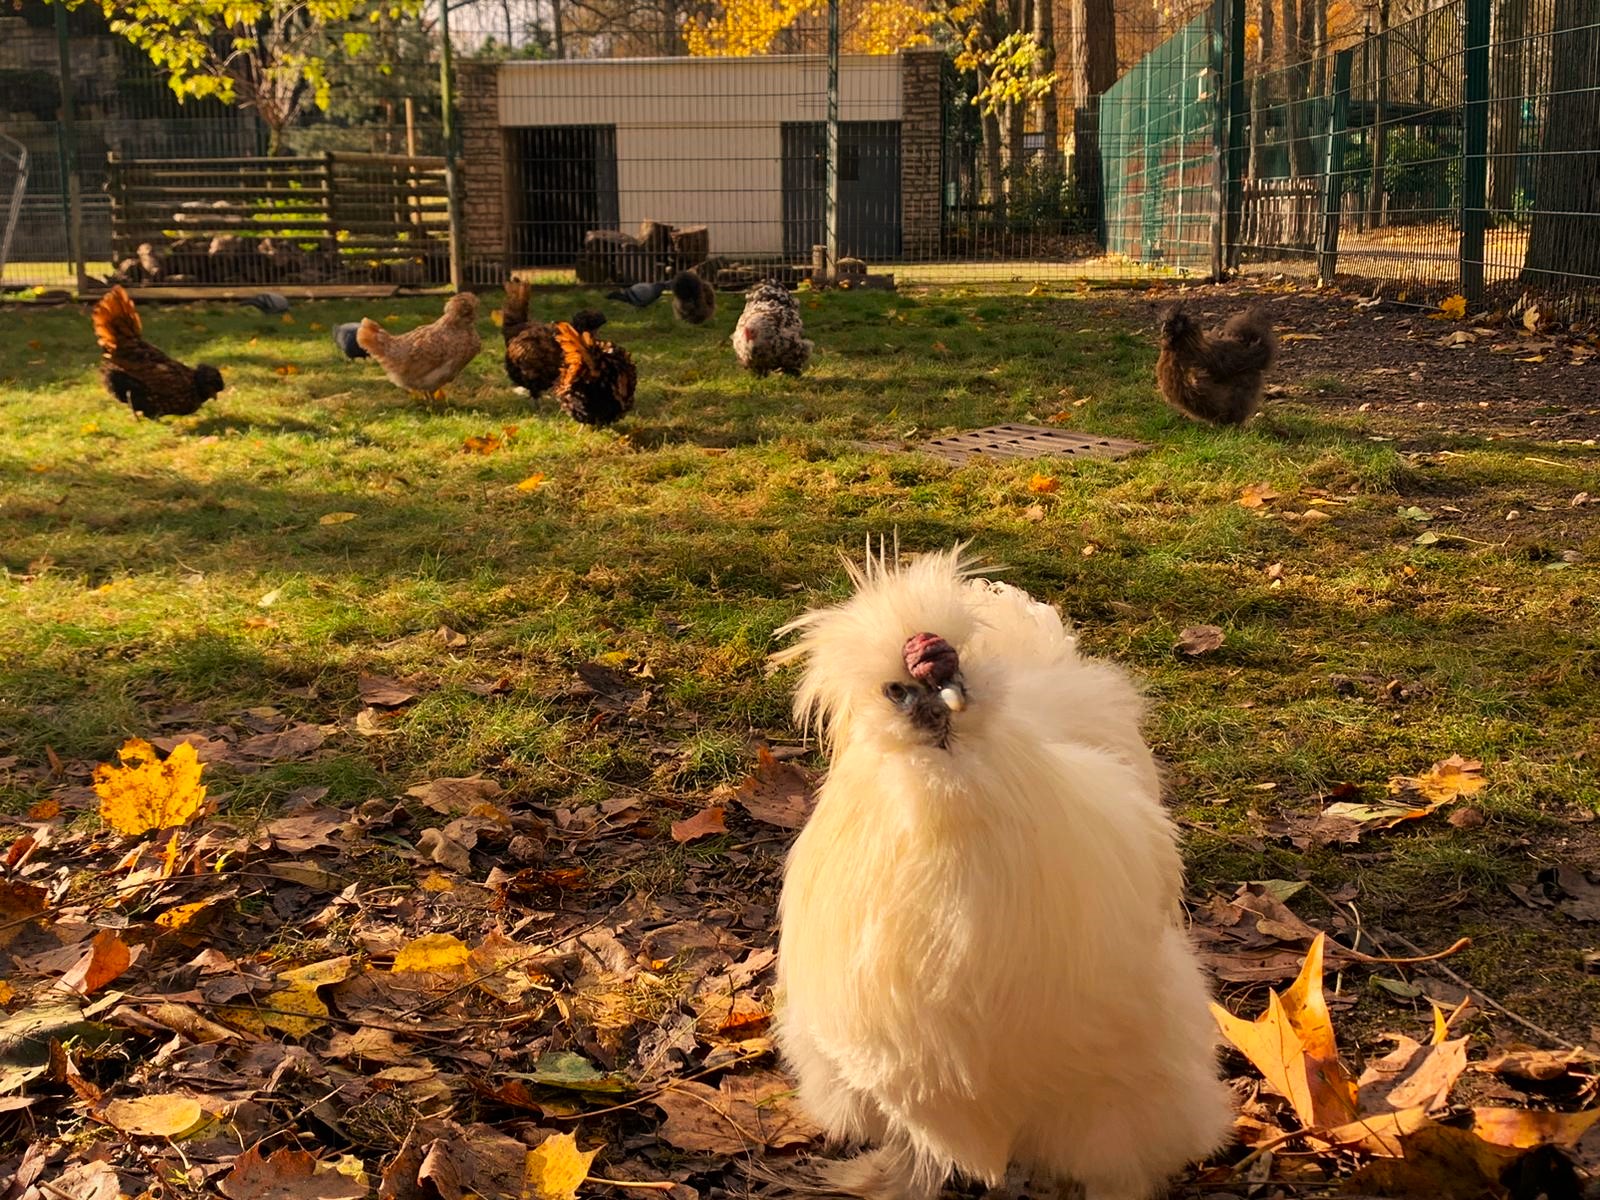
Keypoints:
(597, 378)
(1215, 377)
(141, 376)
(693, 299)
(533, 352)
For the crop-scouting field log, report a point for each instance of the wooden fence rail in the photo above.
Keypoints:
(329, 218)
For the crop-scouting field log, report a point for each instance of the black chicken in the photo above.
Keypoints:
(144, 378)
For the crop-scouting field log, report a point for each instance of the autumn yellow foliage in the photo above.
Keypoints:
(145, 793)
(749, 27)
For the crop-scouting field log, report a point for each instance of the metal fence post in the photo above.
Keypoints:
(1238, 111)
(1333, 168)
(67, 134)
(1221, 36)
(1475, 148)
(452, 165)
(830, 233)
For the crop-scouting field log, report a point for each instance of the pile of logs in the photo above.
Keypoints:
(658, 253)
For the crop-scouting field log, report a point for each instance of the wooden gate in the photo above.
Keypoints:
(327, 219)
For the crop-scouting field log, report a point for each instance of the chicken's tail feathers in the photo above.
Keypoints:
(371, 336)
(515, 308)
(577, 350)
(116, 320)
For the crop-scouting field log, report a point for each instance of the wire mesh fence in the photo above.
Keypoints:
(1455, 149)
(1159, 131)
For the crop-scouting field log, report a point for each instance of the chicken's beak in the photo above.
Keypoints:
(954, 695)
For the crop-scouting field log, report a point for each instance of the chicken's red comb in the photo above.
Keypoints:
(930, 659)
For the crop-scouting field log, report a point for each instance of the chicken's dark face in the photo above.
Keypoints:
(207, 381)
(937, 689)
(1176, 327)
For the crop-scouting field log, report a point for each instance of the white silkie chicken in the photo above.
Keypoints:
(981, 959)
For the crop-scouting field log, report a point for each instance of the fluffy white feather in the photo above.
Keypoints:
(981, 960)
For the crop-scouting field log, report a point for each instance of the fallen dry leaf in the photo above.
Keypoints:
(106, 958)
(336, 518)
(287, 1174)
(432, 952)
(1292, 1044)
(1428, 1083)
(1448, 779)
(1257, 495)
(531, 484)
(19, 904)
(1043, 485)
(746, 1113)
(1453, 307)
(455, 797)
(486, 444)
(166, 1114)
(777, 793)
(146, 793)
(1198, 639)
(555, 1168)
(705, 823)
(382, 692)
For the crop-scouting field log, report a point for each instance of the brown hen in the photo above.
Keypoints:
(533, 353)
(144, 378)
(597, 378)
(430, 356)
(1215, 377)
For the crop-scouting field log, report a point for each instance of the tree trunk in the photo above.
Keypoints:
(1297, 79)
(1260, 89)
(1380, 105)
(1564, 243)
(1044, 33)
(557, 33)
(1508, 87)
(1094, 69)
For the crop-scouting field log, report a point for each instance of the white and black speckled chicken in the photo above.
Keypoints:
(770, 335)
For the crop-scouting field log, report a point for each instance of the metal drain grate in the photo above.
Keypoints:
(1028, 441)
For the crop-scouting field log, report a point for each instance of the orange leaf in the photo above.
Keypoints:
(1293, 1046)
(705, 823)
(286, 369)
(1257, 495)
(487, 444)
(107, 957)
(1044, 484)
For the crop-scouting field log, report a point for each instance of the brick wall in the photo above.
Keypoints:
(921, 152)
(483, 171)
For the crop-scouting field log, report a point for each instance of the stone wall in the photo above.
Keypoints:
(484, 172)
(921, 152)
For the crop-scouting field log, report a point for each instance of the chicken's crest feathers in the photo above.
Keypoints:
(116, 320)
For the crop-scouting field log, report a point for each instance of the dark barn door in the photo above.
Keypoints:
(565, 184)
(869, 188)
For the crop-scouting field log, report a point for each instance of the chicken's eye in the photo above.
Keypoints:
(898, 694)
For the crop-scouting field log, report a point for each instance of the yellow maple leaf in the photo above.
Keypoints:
(145, 793)
(1446, 780)
(1454, 307)
(497, 318)
(6, 994)
(432, 952)
(177, 918)
(556, 1168)
(1292, 1045)
(531, 484)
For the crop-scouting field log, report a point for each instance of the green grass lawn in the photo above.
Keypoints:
(187, 566)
